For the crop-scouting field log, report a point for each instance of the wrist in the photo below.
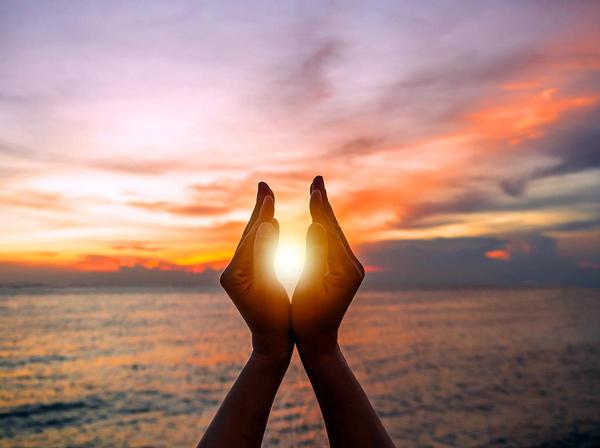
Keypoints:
(321, 361)
(276, 363)
(273, 349)
(311, 351)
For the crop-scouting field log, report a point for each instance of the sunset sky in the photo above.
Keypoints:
(460, 142)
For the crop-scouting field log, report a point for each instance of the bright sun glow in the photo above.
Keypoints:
(288, 263)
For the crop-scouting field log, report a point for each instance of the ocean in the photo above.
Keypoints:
(105, 367)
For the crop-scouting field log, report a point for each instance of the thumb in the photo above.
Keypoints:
(265, 245)
(315, 265)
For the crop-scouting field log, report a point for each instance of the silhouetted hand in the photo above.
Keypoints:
(262, 301)
(330, 278)
(250, 281)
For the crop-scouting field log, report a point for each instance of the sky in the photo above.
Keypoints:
(459, 144)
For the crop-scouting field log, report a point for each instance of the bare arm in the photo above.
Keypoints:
(242, 418)
(331, 277)
(263, 303)
(349, 417)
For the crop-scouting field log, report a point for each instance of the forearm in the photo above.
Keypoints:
(349, 417)
(241, 419)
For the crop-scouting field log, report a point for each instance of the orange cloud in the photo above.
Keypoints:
(178, 209)
(524, 116)
(111, 263)
(374, 268)
(498, 254)
(509, 250)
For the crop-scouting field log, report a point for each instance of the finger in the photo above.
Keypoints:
(265, 214)
(318, 183)
(263, 190)
(276, 225)
(265, 245)
(339, 260)
(315, 264)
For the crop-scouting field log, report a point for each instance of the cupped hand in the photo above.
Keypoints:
(331, 277)
(250, 281)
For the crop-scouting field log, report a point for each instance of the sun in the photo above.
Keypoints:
(289, 261)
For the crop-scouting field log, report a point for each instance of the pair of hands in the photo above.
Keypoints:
(329, 280)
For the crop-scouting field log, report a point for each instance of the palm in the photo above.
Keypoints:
(264, 307)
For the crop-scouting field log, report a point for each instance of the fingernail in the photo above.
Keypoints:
(267, 198)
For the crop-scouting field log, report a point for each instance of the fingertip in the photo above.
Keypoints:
(261, 189)
(268, 200)
(264, 189)
(316, 205)
(313, 184)
(267, 209)
(316, 197)
(319, 182)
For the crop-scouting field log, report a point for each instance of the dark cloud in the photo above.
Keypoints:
(439, 95)
(302, 81)
(576, 145)
(515, 187)
(14, 274)
(531, 260)
(311, 70)
(358, 146)
(466, 202)
(459, 73)
(577, 226)
(429, 214)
